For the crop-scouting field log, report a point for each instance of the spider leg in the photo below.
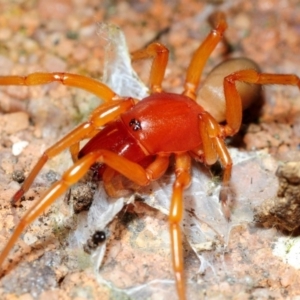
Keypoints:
(99, 117)
(213, 147)
(75, 148)
(226, 195)
(131, 170)
(107, 178)
(91, 85)
(208, 129)
(160, 55)
(202, 54)
(183, 178)
(233, 99)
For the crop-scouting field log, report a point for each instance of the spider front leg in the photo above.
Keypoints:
(214, 148)
(96, 87)
(129, 169)
(99, 117)
(202, 54)
(183, 178)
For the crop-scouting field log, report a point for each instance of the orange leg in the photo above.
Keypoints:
(213, 147)
(75, 148)
(208, 129)
(202, 54)
(160, 55)
(183, 178)
(110, 189)
(233, 99)
(131, 170)
(99, 117)
(213, 144)
(79, 81)
(226, 193)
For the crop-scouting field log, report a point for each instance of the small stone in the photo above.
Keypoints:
(18, 147)
(18, 176)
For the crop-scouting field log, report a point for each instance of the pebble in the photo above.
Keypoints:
(17, 148)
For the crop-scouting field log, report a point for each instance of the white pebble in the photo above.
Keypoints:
(18, 147)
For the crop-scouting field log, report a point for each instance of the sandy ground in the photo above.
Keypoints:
(240, 259)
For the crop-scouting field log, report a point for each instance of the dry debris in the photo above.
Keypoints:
(283, 211)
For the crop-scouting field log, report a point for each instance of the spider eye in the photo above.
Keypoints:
(135, 124)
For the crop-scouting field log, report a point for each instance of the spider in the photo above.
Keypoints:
(136, 138)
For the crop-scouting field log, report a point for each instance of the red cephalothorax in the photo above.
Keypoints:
(161, 123)
(136, 138)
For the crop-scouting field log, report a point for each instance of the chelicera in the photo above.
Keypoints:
(136, 138)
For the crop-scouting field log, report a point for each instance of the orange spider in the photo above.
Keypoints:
(137, 138)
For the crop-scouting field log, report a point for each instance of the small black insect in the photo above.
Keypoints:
(99, 237)
(96, 240)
